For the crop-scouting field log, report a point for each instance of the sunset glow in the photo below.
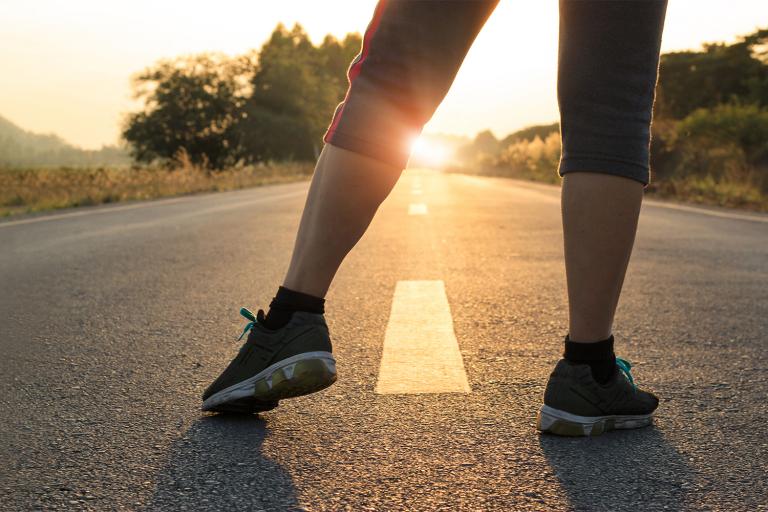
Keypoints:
(430, 153)
(67, 65)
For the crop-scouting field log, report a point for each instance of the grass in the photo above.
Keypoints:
(689, 189)
(707, 191)
(36, 190)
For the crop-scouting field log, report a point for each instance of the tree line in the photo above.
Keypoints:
(710, 115)
(710, 128)
(217, 111)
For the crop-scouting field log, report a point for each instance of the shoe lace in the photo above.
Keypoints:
(253, 320)
(626, 367)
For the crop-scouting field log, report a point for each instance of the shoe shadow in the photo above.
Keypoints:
(218, 465)
(620, 470)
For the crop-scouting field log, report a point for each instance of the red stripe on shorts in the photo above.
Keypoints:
(357, 64)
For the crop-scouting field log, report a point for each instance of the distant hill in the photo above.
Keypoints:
(20, 148)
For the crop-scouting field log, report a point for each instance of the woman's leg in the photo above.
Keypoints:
(609, 54)
(411, 53)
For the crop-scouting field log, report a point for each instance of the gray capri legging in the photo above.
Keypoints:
(607, 71)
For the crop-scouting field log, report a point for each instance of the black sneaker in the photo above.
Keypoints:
(576, 405)
(288, 362)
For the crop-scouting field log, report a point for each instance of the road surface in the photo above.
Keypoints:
(114, 319)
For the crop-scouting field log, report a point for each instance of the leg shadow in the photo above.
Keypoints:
(218, 465)
(620, 470)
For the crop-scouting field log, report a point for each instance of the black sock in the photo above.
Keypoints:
(599, 356)
(286, 303)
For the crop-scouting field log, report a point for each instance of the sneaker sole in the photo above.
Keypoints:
(561, 423)
(246, 405)
(294, 376)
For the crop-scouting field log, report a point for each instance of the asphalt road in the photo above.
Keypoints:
(113, 320)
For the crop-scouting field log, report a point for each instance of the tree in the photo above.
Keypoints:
(295, 88)
(192, 106)
(718, 74)
(335, 57)
(274, 104)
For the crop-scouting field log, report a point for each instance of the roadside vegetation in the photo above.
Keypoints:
(710, 131)
(34, 190)
(220, 111)
(209, 123)
(214, 122)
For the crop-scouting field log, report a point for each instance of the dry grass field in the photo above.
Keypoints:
(34, 190)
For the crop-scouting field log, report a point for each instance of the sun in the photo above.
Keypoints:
(429, 153)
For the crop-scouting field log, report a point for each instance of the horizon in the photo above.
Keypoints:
(65, 67)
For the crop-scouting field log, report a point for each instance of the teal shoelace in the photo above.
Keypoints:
(626, 368)
(253, 320)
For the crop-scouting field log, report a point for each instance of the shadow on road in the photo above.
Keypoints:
(218, 465)
(621, 470)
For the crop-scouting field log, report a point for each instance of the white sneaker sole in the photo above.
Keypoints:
(555, 421)
(294, 376)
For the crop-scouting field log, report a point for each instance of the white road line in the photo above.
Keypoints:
(421, 354)
(416, 191)
(124, 227)
(417, 209)
(83, 213)
(158, 202)
(650, 202)
(703, 211)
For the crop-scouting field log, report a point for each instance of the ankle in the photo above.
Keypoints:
(598, 355)
(287, 302)
(586, 333)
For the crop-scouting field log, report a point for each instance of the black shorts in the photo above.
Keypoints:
(412, 50)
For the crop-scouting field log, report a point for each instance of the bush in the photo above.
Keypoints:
(532, 159)
(725, 144)
(531, 153)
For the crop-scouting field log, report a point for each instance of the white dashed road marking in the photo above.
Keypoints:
(421, 354)
(417, 209)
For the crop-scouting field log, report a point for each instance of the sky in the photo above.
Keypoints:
(66, 66)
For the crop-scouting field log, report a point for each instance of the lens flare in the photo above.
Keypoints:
(429, 153)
